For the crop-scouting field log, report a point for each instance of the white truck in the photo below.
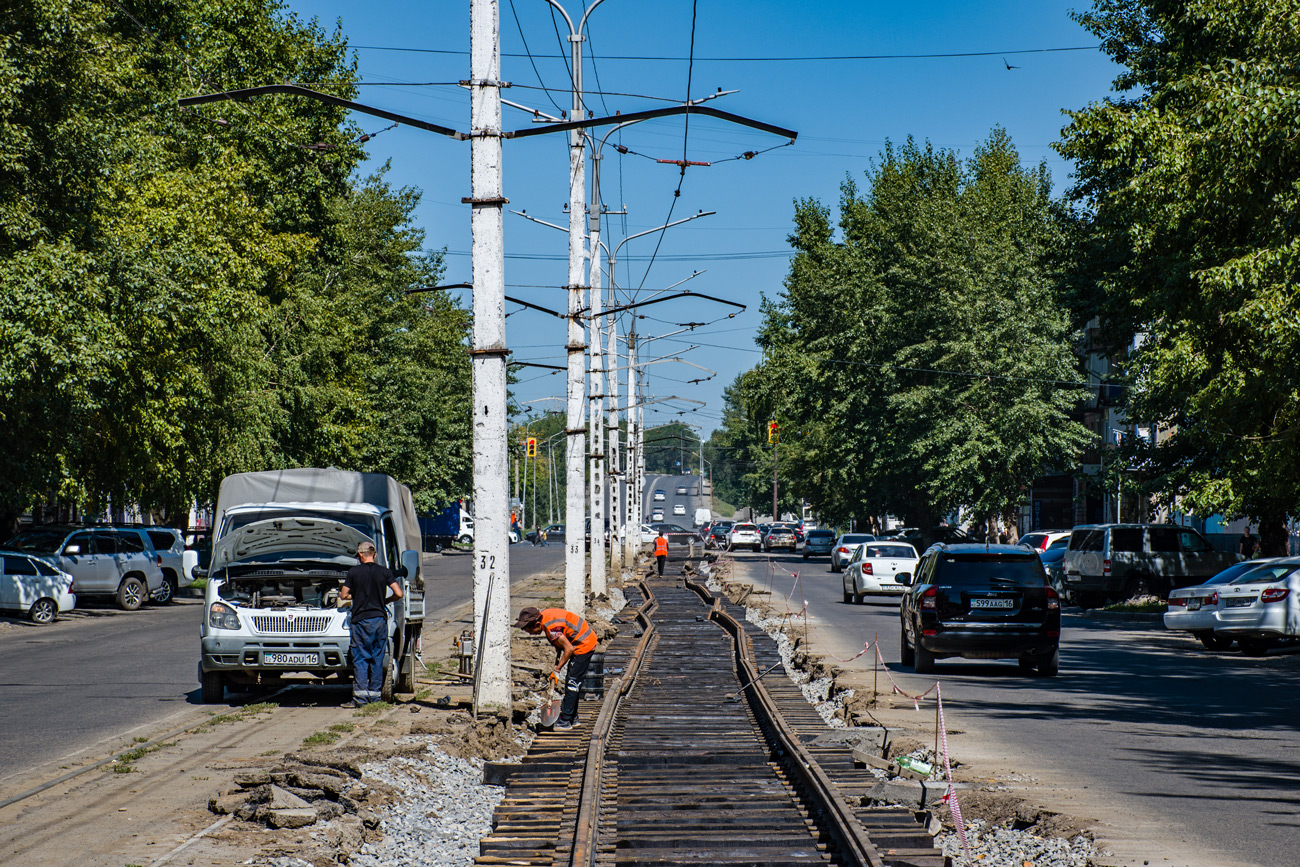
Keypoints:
(702, 517)
(283, 541)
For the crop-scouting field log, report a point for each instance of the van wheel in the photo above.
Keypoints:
(386, 690)
(165, 593)
(214, 687)
(131, 594)
(464, 539)
(924, 660)
(1214, 642)
(43, 612)
(1048, 666)
(905, 653)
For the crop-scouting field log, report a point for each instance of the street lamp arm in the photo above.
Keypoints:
(684, 294)
(649, 114)
(696, 216)
(299, 90)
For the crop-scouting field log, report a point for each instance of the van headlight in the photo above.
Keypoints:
(222, 616)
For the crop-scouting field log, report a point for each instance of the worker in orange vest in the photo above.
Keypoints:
(661, 551)
(574, 643)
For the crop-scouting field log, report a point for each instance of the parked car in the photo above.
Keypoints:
(1262, 607)
(554, 533)
(1121, 560)
(681, 490)
(1196, 609)
(980, 602)
(1041, 540)
(744, 536)
(659, 496)
(818, 543)
(32, 587)
(117, 562)
(780, 536)
(1053, 559)
(170, 545)
(844, 547)
(679, 509)
(879, 569)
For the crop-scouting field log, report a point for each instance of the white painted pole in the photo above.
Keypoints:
(491, 491)
(596, 409)
(615, 477)
(575, 573)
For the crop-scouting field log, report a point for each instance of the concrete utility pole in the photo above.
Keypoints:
(575, 572)
(491, 495)
(632, 533)
(595, 414)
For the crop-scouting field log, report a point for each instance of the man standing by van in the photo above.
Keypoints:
(367, 585)
(574, 642)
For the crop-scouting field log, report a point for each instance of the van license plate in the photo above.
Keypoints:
(993, 603)
(277, 658)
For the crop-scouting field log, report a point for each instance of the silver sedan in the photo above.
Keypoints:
(1262, 607)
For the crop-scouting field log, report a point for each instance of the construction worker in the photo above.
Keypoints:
(574, 643)
(661, 551)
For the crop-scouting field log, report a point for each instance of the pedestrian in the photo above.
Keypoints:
(1249, 544)
(367, 584)
(574, 643)
(661, 551)
(541, 534)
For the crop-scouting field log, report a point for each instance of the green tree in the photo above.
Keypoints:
(671, 448)
(924, 357)
(1189, 178)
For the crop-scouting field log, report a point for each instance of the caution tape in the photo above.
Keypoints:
(951, 795)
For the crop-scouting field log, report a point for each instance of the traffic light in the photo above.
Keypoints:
(532, 447)
(773, 435)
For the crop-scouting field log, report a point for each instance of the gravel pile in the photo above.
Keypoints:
(1003, 847)
(444, 810)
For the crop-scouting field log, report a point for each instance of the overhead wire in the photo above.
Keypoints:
(531, 61)
(815, 58)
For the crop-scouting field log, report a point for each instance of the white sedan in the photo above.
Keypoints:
(875, 568)
(679, 509)
(1261, 607)
(34, 588)
(1196, 609)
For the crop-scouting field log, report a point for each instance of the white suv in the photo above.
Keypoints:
(744, 535)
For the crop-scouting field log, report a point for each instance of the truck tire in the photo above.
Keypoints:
(43, 612)
(464, 539)
(213, 687)
(131, 593)
(1048, 666)
(386, 690)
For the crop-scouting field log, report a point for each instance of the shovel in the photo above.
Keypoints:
(551, 710)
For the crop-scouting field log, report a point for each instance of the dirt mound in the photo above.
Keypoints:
(1004, 810)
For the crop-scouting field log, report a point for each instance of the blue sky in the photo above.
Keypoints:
(843, 110)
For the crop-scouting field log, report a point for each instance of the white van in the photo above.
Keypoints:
(33, 588)
(702, 517)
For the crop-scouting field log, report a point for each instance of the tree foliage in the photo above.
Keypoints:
(921, 361)
(1190, 177)
(185, 294)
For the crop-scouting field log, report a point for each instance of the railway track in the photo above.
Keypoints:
(690, 758)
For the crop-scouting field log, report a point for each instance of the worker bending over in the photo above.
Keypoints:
(574, 642)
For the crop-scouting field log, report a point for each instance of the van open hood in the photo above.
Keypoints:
(277, 538)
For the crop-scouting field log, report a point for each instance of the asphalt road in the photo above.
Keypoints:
(1206, 744)
(98, 673)
(696, 497)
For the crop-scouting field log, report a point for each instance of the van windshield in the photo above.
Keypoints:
(360, 523)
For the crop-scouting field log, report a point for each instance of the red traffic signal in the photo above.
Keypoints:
(532, 447)
(773, 434)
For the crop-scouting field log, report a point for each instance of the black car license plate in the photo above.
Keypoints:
(993, 603)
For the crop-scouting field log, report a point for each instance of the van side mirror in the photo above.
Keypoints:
(410, 568)
(72, 550)
(198, 573)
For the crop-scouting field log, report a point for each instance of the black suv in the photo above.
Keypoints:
(981, 602)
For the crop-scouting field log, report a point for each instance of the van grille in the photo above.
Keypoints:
(283, 625)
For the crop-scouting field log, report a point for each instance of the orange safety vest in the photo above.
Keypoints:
(661, 546)
(573, 627)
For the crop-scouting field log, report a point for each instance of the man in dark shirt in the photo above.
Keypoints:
(367, 585)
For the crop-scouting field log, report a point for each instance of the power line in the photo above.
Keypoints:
(530, 57)
(786, 59)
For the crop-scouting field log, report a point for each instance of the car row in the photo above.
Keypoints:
(1255, 604)
(1114, 561)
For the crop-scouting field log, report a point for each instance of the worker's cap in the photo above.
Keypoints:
(527, 617)
(366, 547)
